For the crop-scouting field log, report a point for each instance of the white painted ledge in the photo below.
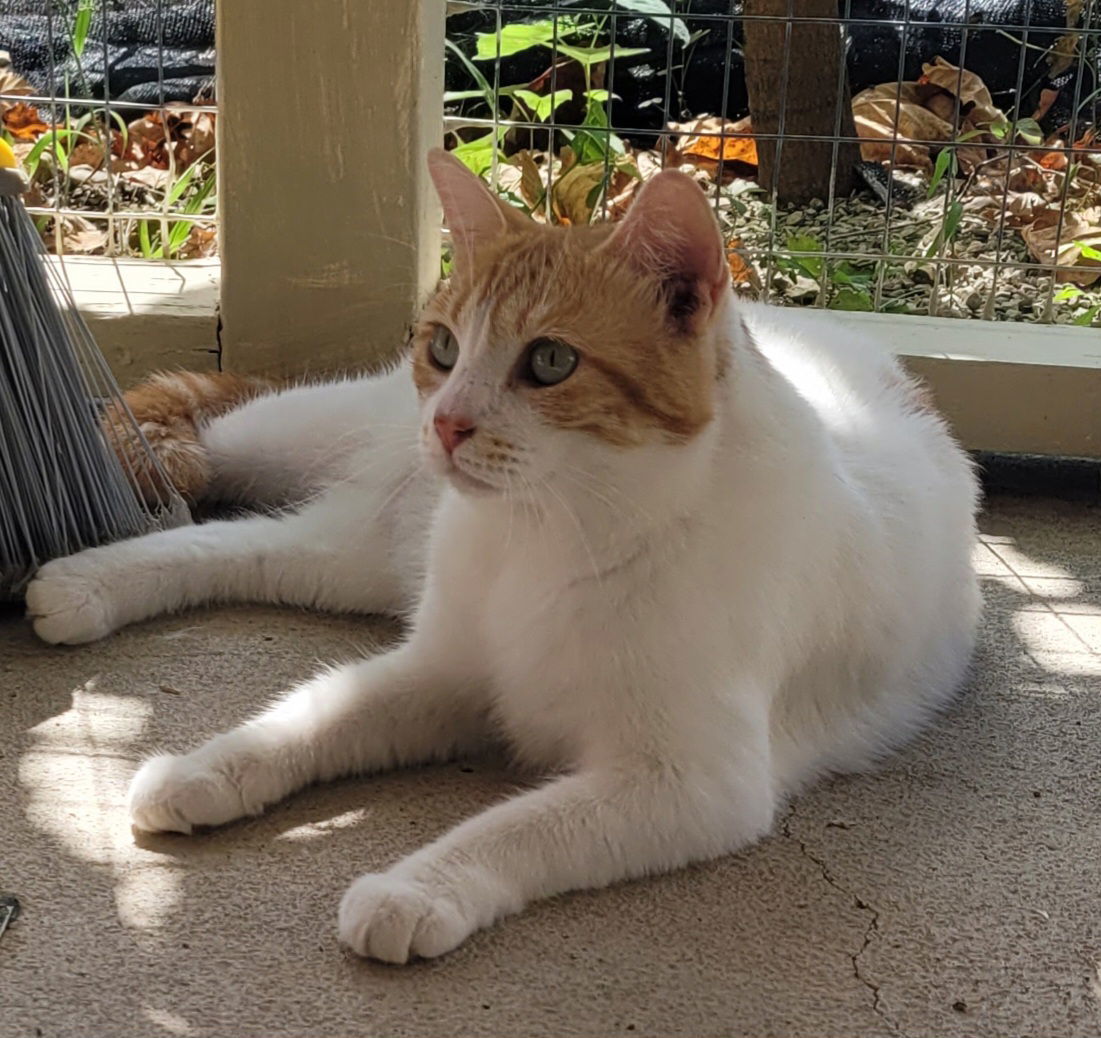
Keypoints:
(147, 315)
(1021, 388)
(1002, 342)
(1008, 387)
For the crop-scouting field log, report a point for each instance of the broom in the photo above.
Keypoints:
(63, 486)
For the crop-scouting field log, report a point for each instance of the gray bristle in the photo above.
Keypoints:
(62, 485)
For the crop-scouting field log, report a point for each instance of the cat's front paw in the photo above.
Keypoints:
(175, 794)
(392, 919)
(68, 603)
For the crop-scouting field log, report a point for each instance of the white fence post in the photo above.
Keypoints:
(329, 231)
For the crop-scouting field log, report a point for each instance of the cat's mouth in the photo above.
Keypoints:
(468, 484)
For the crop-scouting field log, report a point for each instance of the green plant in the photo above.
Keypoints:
(162, 237)
(842, 285)
(581, 38)
(82, 23)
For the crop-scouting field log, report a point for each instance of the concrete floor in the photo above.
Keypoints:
(955, 893)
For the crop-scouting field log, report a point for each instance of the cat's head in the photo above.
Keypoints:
(552, 347)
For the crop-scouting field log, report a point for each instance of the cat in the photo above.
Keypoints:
(683, 554)
(171, 409)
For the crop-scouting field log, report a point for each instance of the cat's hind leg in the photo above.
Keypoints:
(330, 556)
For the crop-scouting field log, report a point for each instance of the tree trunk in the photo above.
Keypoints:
(799, 170)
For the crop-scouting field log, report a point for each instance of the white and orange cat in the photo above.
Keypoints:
(683, 554)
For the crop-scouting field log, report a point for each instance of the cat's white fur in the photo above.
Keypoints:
(685, 634)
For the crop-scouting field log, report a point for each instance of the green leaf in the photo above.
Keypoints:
(845, 273)
(53, 137)
(81, 24)
(812, 265)
(589, 56)
(945, 160)
(1067, 294)
(1030, 130)
(1000, 128)
(1087, 319)
(478, 155)
(543, 105)
(948, 229)
(851, 299)
(1088, 251)
(144, 240)
(202, 199)
(512, 39)
(952, 220)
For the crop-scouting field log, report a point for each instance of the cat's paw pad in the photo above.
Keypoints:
(175, 794)
(67, 604)
(392, 919)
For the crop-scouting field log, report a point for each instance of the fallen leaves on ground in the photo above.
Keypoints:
(23, 122)
(710, 143)
(902, 123)
(79, 237)
(201, 243)
(742, 273)
(577, 190)
(1071, 244)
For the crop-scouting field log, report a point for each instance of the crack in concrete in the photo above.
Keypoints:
(870, 931)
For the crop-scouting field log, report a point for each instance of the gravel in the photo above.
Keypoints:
(866, 257)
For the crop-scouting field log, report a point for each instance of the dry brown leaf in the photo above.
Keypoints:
(741, 270)
(572, 193)
(11, 82)
(1017, 208)
(192, 132)
(179, 138)
(23, 122)
(80, 237)
(711, 138)
(977, 103)
(202, 242)
(710, 142)
(1055, 158)
(889, 118)
(1078, 229)
(148, 177)
(145, 142)
(533, 188)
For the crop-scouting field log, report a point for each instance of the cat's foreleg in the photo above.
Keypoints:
(584, 830)
(400, 708)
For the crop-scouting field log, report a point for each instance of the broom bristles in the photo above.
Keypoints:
(62, 485)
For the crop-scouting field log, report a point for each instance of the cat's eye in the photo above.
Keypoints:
(443, 348)
(550, 361)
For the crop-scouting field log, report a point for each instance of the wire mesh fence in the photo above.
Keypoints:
(905, 156)
(109, 106)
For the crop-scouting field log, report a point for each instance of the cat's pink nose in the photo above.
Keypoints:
(452, 429)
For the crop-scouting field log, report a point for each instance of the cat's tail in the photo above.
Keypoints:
(170, 408)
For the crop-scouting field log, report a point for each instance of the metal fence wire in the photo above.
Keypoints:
(904, 156)
(109, 106)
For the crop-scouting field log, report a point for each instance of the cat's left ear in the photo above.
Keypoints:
(474, 215)
(671, 234)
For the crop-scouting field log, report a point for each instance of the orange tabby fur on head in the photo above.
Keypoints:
(170, 408)
(641, 375)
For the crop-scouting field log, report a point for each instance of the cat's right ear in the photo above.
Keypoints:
(474, 215)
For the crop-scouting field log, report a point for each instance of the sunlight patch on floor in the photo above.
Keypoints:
(75, 778)
(173, 1023)
(315, 830)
